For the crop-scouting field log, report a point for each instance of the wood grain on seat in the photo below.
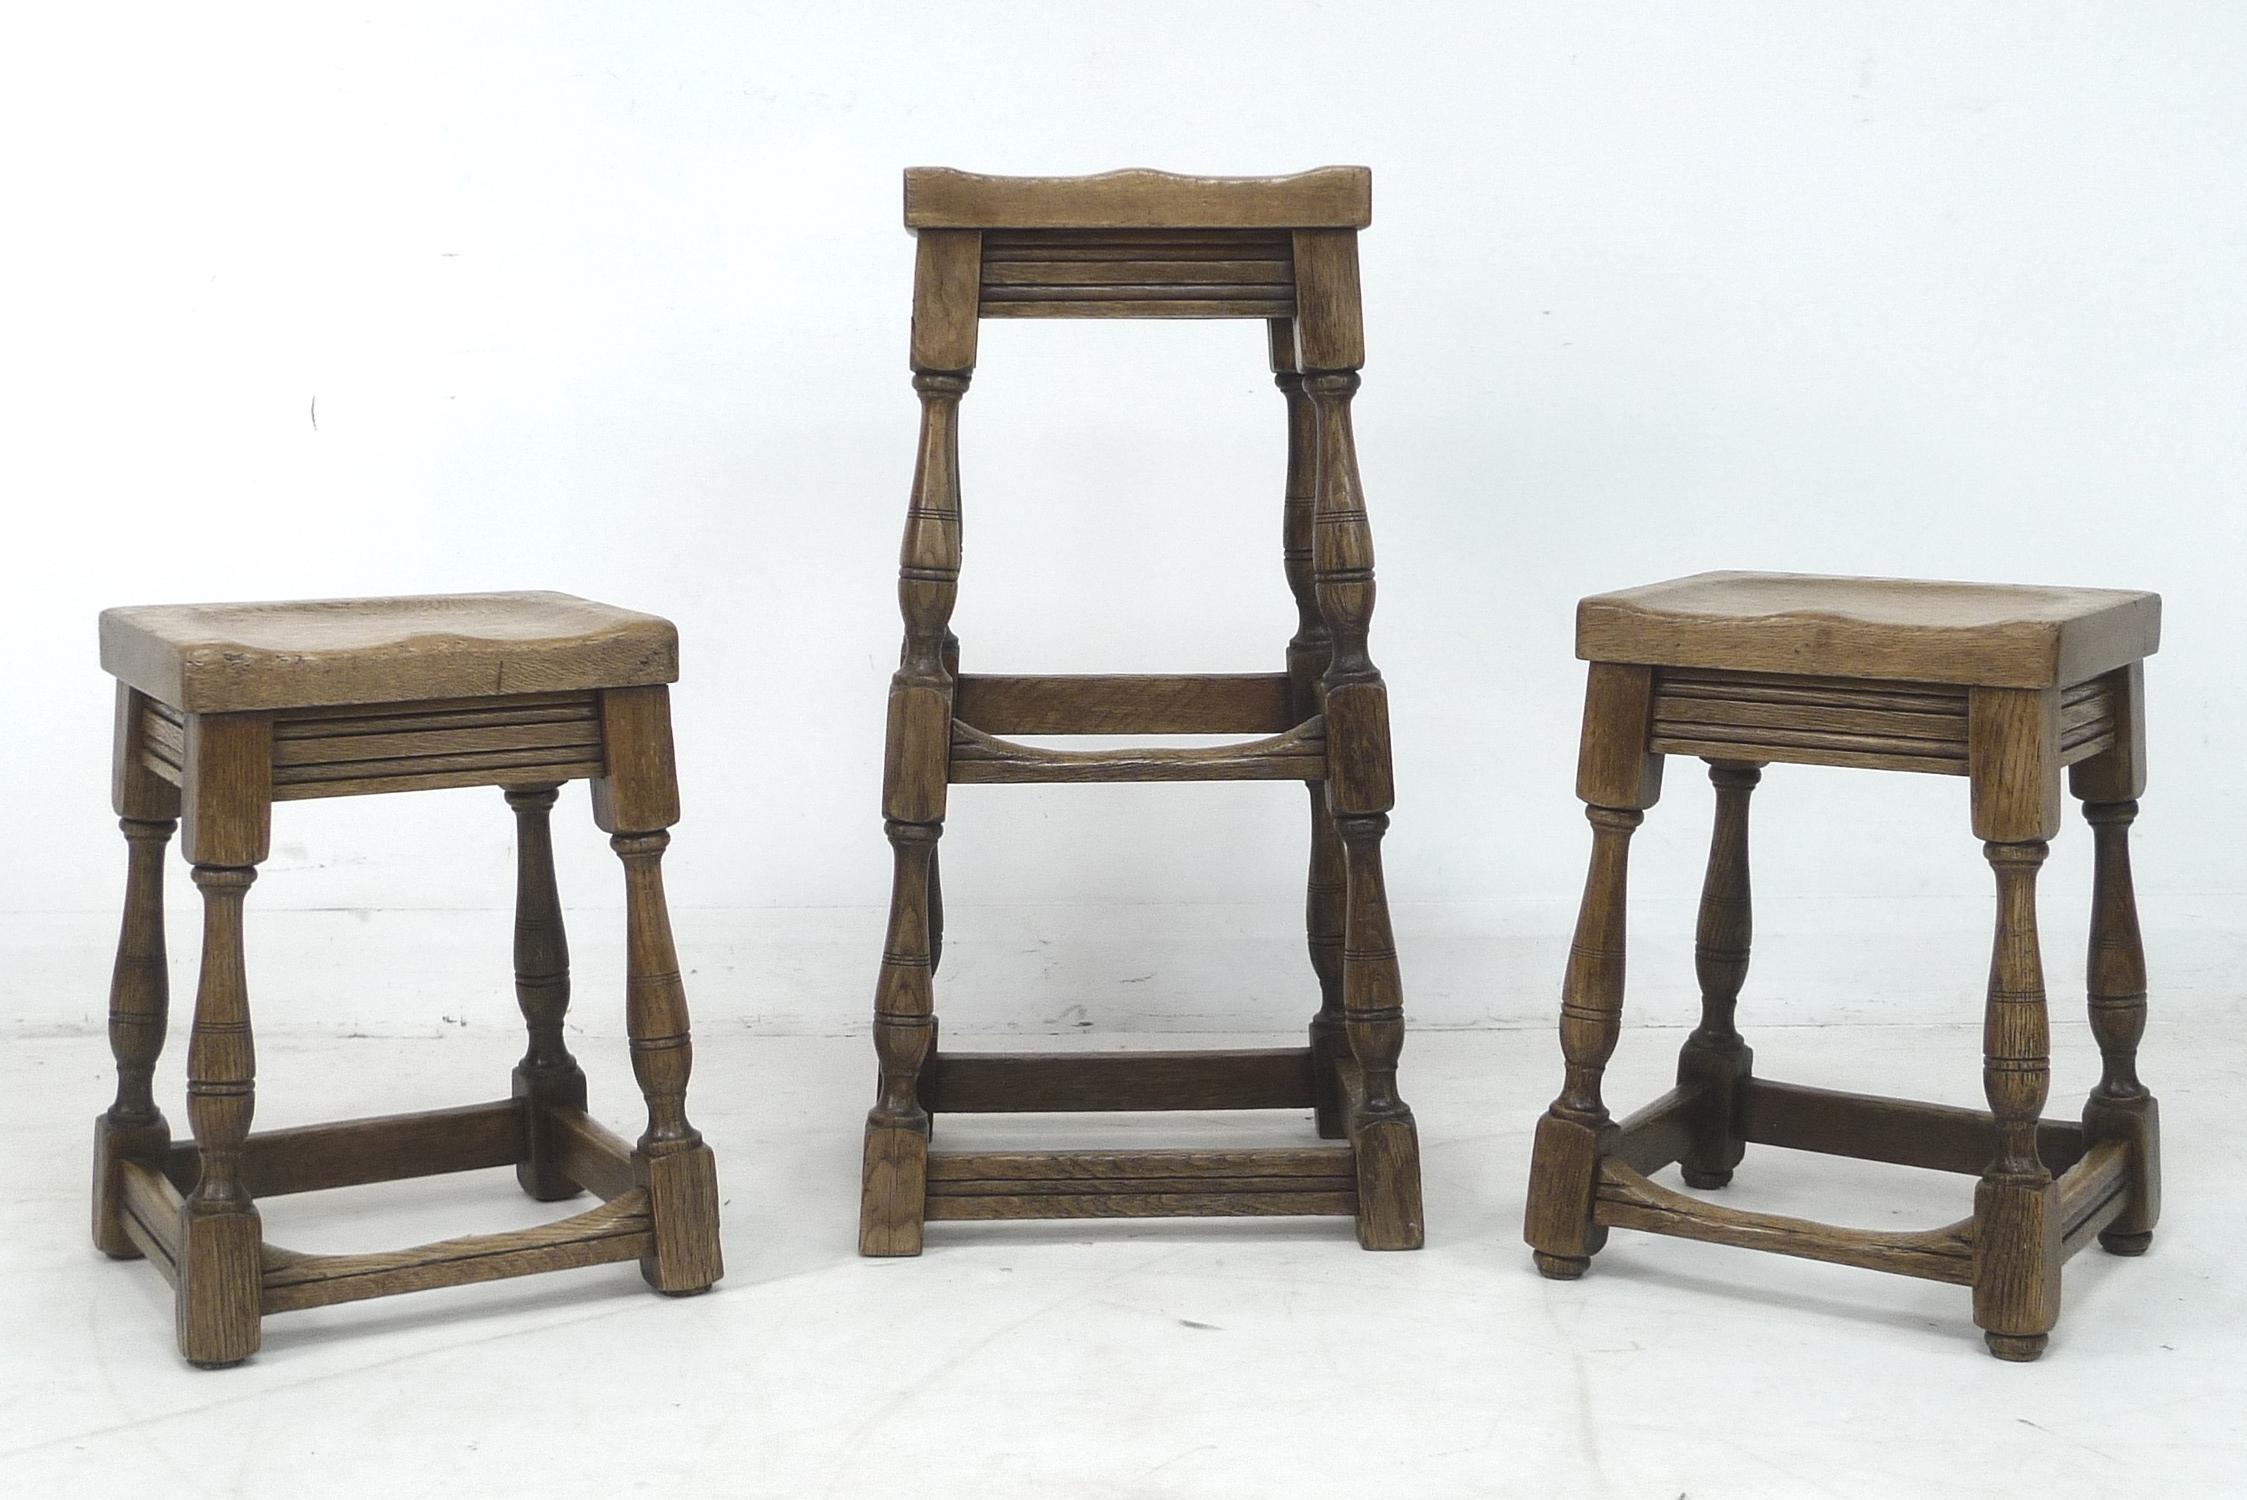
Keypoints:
(1978, 634)
(1138, 198)
(226, 658)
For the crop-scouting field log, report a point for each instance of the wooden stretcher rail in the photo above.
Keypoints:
(151, 1205)
(591, 1155)
(981, 759)
(1141, 1184)
(1902, 1132)
(1660, 1133)
(1628, 1200)
(620, 1229)
(2093, 1194)
(383, 1148)
(1032, 1082)
(1256, 703)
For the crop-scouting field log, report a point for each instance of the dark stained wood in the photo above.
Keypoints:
(2121, 1108)
(246, 705)
(1715, 1060)
(981, 759)
(1902, 1132)
(1662, 1131)
(589, 1152)
(384, 1148)
(548, 1079)
(1627, 1200)
(1139, 245)
(619, 1229)
(2006, 686)
(133, 1128)
(1026, 1082)
(1240, 704)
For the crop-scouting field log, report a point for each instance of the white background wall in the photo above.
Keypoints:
(320, 300)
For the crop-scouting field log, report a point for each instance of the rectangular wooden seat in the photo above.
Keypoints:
(1900, 629)
(310, 653)
(1138, 198)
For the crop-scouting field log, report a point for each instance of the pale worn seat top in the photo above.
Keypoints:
(228, 658)
(1138, 198)
(1977, 634)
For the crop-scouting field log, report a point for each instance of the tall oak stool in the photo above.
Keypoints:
(1149, 245)
(225, 709)
(2001, 685)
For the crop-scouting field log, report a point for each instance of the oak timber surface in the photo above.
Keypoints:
(223, 658)
(1983, 634)
(1138, 198)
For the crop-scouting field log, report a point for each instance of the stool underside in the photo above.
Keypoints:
(389, 1148)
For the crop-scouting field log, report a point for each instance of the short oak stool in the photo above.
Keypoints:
(1142, 244)
(2004, 686)
(225, 709)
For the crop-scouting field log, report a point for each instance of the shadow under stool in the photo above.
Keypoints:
(1144, 244)
(2002, 685)
(224, 710)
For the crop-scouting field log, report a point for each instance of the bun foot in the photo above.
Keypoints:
(2125, 1242)
(1560, 1267)
(1706, 1181)
(2019, 1348)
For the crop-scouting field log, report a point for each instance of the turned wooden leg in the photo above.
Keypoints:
(133, 1128)
(547, 1078)
(2016, 1205)
(1386, 1140)
(1325, 902)
(2120, 1107)
(226, 826)
(893, 1175)
(635, 802)
(1360, 788)
(893, 1185)
(1577, 1130)
(679, 1170)
(1714, 1057)
(220, 1232)
(1309, 652)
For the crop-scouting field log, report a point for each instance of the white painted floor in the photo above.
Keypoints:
(1180, 1358)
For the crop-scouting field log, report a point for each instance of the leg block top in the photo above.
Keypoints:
(1326, 198)
(1975, 634)
(231, 658)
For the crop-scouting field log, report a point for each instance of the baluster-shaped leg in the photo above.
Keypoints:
(2013, 766)
(2017, 1274)
(1616, 779)
(2120, 1108)
(894, 1181)
(635, 802)
(1359, 787)
(1308, 653)
(1577, 1129)
(1714, 1057)
(916, 765)
(227, 794)
(133, 1128)
(547, 1078)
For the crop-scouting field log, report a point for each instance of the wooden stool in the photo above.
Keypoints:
(1149, 245)
(2001, 685)
(225, 709)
